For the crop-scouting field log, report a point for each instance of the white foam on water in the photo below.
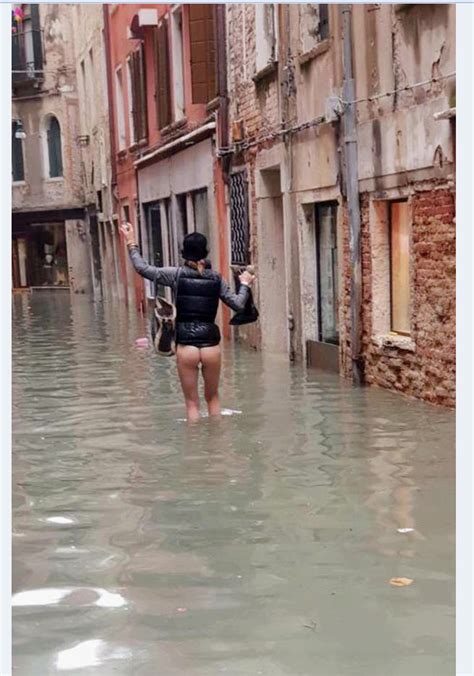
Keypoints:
(60, 519)
(225, 411)
(49, 596)
(91, 653)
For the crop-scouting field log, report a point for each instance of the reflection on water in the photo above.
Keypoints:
(258, 544)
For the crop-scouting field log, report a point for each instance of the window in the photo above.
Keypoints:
(18, 169)
(162, 76)
(120, 109)
(400, 267)
(137, 102)
(203, 52)
(314, 25)
(53, 136)
(27, 46)
(266, 35)
(83, 99)
(131, 125)
(239, 219)
(91, 90)
(327, 273)
(177, 46)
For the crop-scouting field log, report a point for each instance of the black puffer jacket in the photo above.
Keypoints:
(197, 299)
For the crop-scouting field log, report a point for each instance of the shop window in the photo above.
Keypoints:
(400, 267)
(18, 168)
(201, 212)
(53, 135)
(327, 273)
(314, 25)
(202, 41)
(162, 76)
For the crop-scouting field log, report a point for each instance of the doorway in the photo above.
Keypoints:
(327, 273)
(272, 272)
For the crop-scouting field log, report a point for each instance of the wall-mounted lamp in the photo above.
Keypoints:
(19, 131)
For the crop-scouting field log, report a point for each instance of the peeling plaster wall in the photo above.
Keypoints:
(88, 24)
(58, 96)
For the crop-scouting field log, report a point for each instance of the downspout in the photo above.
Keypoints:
(110, 95)
(223, 110)
(222, 164)
(352, 187)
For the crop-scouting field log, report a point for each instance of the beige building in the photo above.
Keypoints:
(51, 246)
(94, 149)
(383, 311)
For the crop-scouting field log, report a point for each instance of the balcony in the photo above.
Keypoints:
(27, 60)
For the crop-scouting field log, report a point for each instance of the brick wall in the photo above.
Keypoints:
(426, 368)
(257, 105)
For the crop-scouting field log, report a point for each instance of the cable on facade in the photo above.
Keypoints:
(375, 97)
(240, 146)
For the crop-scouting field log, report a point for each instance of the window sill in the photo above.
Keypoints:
(395, 340)
(19, 183)
(270, 69)
(173, 126)
(54, 179)
(213, 104)
(311, 54)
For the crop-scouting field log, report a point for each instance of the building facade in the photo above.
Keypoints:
(93, 148)
(167, 70)
(351, 228)
(50, 238)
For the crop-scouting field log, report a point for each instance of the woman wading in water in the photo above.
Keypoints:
(197, 293)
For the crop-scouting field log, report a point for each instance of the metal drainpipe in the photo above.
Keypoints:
(108, 62)
(352, 186)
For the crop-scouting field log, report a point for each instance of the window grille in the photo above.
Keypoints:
(239, 219)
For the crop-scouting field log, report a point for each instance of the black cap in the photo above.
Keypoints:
(194, 247)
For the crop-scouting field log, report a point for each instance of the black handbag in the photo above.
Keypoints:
(246, 316)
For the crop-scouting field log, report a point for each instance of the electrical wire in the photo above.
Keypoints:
(240, 146)
(375, 97)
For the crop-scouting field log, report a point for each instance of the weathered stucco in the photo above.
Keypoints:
(403, 152)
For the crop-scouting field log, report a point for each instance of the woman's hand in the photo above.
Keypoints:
(247, 278)
(127, 231)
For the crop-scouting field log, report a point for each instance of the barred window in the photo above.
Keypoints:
(239, 219)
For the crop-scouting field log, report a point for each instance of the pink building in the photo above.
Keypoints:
(167, 85)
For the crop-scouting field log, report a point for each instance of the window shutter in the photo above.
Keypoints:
(163, 94)
(37, 41)
(203, 52)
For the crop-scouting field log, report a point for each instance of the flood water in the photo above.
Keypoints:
(262, 543)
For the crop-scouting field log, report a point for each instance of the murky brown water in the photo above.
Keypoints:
(260, 544)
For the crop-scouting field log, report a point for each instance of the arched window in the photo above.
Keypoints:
(55, 160)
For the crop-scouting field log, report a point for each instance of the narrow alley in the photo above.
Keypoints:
(261, 544)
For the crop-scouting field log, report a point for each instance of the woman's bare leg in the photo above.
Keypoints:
(211, 369)
(188, 359)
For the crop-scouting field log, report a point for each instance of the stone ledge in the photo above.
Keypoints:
(394, 340)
